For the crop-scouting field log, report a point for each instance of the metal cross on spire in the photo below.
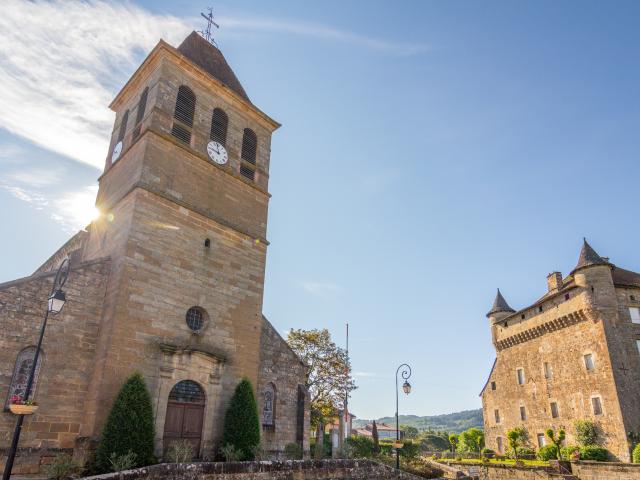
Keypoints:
(207, 33)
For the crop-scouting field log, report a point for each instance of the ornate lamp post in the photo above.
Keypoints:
(406, 388)
(55, 302)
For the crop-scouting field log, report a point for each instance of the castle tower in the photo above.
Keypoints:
(499, 310)
(184, 200)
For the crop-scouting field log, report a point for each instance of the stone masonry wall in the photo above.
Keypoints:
(282, 368)
(68, 357)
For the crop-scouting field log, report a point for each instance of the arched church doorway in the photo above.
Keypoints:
(185, 412)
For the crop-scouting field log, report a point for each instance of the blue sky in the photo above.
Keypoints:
(430, 152)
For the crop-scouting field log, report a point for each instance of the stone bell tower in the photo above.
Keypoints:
(184, 204)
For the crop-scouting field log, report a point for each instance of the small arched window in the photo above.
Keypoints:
(249, 153)
(183, 114)
(142, 105)
(219, 123)
(187, 391)
(123, 126)
(269, 405)
(21, 371)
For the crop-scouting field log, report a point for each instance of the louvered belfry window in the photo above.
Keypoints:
(142, 105)
(123, 126)
(183, 115)
(219, 123)
(248, 155)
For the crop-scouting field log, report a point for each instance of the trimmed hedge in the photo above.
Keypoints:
(362, 447)
(129, 427)
(548, 452)
(593, 452)
(241, 422)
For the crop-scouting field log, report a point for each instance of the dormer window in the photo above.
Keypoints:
(183, 114)
(219, 123)
(249, 153)
(142, 105)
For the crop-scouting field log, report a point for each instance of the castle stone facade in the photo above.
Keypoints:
(168, 281)
(572, 355)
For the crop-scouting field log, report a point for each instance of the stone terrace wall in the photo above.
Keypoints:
(606, 470)
(293, 469)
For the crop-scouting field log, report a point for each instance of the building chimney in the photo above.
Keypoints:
(554, 281)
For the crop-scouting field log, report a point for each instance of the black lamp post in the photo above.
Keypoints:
(406, 388)
(55, 302)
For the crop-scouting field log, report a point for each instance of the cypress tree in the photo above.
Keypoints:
(129, 427)
(241, 423)
(376, 440)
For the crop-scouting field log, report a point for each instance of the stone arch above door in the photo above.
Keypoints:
(185, 415)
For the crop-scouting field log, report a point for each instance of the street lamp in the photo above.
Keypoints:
(55, 302)
(406, 388)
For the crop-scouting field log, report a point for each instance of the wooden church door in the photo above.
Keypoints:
(185, 413)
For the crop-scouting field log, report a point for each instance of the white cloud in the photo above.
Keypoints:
(323, 32)
(62, 61)
(322, 289)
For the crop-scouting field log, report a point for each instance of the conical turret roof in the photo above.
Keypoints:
(588, 257)
(500, 305)
(211, 60)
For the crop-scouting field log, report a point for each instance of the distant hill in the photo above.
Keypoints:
(451, 422)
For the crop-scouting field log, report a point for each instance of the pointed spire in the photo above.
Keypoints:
(588, 257)
(500, 305)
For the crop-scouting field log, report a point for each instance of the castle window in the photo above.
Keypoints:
(493, 384)
(638, 345)
(496, 414)
(520, 375)
(523, 413)
(632, 298)
(196, 319)
(499, 444)
(522, 316)
(635, 314)
(596, 404)
(588, 362)
(541, 440)
(248, 154)
(142, 105)
(548, 373)
(554, 409)
(269, 406)
(123, 126)
(207, 242)
(219, 123)
(21, 371)
(183, 114)
(540, 308)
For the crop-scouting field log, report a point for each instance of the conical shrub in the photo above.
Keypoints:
(241, 422)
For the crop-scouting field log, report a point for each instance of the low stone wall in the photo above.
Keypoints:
(608, 470)
(287, 470)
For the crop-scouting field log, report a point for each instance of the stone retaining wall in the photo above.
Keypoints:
(287, 470)
(606, 470)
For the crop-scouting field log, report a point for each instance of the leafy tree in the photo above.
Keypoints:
(586, 432)
(556, 440)
(241, 423)
(409, 431)
(129, 427)
(548, 452)
(376, 438)
(514, 437)
(471, 440)
(636, 454)
(432, 442)
(328, 372)
(453, 441)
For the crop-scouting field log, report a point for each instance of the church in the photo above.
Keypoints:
(168, 282)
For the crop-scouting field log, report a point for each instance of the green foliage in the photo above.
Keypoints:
(180, 451)
(63, 466)
(522, 453)
(636, 454)
(593, 452)
(231, 453)
(435, 443)
(361, 447)
(120, 463)
(586, 432)
(241, 423)
(410, 450)
(556, 440)
(567, 452)
(409, 431)
(548, 452)
(129, 427)
(454, 440)
(471, 440)
(293, 451)
(451, 422)
(488, 453)
(515, 439)
(376, 438)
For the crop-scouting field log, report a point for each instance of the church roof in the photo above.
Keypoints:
(500, 305)
(211, 60)
(588, 257)
(625, 278)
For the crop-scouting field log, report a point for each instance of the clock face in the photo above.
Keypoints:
(117, 150)
(217, 152)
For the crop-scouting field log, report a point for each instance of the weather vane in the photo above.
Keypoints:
(207, 33)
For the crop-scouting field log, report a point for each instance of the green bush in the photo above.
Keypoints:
(409, 449)
(241, 423)
(566, 452)
(586, 432)
(524, 453)
(593, 452)
(129, 427)
(230, 453)
(488, 453)
(293, 451)
(548, 452)
(63, 466)
(180, 451)
(361, 447)
(636, 454)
